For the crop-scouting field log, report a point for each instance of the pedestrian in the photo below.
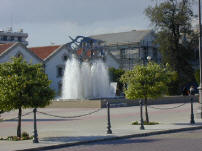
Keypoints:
(192, 90)
(185, 91)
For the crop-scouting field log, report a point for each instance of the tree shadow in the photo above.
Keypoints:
(102, 141)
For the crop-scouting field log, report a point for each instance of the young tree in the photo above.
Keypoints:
(176, 39)
(146, 82)
(23, 85)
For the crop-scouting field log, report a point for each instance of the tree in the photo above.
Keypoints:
(147, 82)
(23, 85)
(175, 37)
(115, 75)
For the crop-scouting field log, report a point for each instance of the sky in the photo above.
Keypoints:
(53, 21)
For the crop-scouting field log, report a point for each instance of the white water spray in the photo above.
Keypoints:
(85, 80)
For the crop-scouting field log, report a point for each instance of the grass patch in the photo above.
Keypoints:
(25, 136)
(145, 123)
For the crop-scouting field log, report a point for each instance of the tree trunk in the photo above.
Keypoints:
(19, 122)
(146, 111)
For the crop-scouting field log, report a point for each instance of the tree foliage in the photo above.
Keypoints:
(23, 85)
(147, 82)
(115, 75)
(175, 37)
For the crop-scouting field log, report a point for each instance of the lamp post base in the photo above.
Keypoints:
(109, 131)
(141, 127)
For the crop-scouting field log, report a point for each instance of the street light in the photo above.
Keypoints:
(200, 58)
(145, 60)
(149, 58)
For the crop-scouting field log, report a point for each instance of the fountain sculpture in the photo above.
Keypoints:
(86, 74)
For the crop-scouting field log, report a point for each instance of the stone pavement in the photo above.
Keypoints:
(55, 131)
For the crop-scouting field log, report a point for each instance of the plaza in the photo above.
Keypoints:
(67, 131)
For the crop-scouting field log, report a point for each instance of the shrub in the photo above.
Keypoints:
(25, 135)
(145, 123)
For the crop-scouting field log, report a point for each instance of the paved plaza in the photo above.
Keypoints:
(56, 130)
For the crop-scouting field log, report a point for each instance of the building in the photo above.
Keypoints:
(9, 36)
(122, 50)
(130, 48)
(53, 59)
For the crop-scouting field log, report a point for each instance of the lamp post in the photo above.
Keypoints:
(148, 59)
(200, 58)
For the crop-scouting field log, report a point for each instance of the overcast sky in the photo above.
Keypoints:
(49, 21)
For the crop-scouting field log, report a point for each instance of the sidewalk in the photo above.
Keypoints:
(54, 132)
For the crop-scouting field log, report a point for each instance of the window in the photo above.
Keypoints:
(20, 39)
(12, 38)
(19, 54)
(5, 38)
(122, 53)
(65, 57)
(145, 53)
(59, 71)
(59, 88)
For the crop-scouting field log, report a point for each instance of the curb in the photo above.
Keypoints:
(113, 138)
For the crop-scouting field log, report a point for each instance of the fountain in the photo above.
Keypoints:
(86, 74)
(85, 80)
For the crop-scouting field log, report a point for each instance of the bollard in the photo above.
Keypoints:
(141, 116)
(109, 131)
(35, 138)
(192, 113)
(192, 91)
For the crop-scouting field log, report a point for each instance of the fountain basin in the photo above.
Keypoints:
(116, 102)
(88, 103)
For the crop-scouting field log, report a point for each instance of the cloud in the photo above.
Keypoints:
(81, 11)
(59, 32)
(54, 20)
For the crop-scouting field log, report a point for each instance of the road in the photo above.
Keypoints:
(184, 141)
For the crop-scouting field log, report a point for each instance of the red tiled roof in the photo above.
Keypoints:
(4, 47)
(45, 51)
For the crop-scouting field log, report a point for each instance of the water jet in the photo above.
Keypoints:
(86, 74)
